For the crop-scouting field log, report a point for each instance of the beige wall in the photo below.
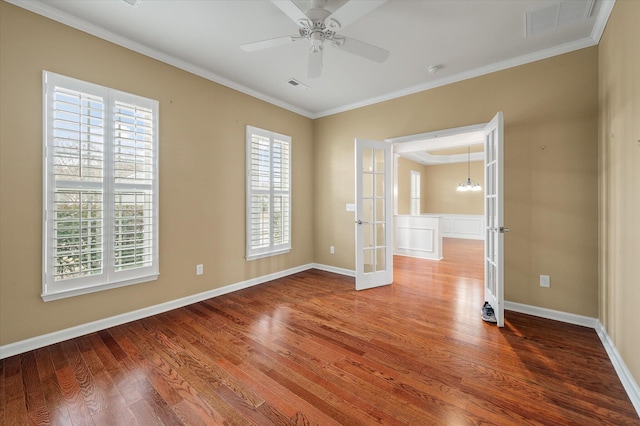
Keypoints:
(619, 54)
(441, 182)
(550, 193)
(438, 185)
(202, 163)
(403, 172)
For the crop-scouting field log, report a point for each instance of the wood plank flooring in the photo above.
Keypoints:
(310, 350)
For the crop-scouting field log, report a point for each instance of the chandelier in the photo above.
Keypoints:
(468, 185)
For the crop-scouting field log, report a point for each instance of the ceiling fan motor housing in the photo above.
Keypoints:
(318, 24)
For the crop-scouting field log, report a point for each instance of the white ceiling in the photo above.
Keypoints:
(466, 37)
(435, 148)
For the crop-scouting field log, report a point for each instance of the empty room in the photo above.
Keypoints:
(319, 212)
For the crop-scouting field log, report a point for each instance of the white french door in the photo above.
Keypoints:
(494, 217)
(374, 212)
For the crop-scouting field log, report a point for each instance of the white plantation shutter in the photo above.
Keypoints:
(415, 192)
(268, 193)
(76, 149)
(133, 163)
(100, 188)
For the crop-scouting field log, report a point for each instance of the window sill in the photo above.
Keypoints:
(63, 294)
(269, 254)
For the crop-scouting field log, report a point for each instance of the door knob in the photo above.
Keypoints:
(504, 229)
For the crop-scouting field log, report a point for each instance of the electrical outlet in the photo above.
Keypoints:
(545, 281)
(199, 269)
(332, 249)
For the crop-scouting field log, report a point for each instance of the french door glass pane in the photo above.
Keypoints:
(367, 160)
(367, 185)
(380, 259)
(380, 160)
(368, 257)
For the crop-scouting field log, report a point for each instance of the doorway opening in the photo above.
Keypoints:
(375, 220)
(420, 235)
(428, 168)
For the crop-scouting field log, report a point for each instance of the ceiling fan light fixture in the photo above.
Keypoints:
(316, 40)
(318, 24)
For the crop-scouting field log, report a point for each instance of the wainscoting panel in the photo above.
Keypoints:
(418, 236)
(463, 226)
(419, 239)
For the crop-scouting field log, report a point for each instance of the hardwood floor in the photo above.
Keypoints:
(308, 349)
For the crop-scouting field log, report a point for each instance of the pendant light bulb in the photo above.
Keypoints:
(468, 185)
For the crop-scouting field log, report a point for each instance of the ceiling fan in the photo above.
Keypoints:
(318, 25)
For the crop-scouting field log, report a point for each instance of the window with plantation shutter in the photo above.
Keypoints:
(415, 192)
(100, 188)
(268, 193)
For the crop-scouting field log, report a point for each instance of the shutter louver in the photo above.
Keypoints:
(260, 213)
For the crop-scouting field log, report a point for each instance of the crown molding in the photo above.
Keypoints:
(47, 11)
(477, 72)
(41, 8)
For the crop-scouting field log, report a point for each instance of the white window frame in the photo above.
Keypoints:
(415, 193)
(253, 250)
(109, 187)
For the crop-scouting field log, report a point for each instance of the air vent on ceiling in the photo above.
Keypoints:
(134, 3)
(556, 15)
(296, 83)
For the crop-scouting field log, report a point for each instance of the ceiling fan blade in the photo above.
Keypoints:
(353, 10)
(265, 44)
(290, 9)
(315, 63)
(361, 48)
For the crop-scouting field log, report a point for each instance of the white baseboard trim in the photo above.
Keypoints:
(551, 314)
(336, 270)
(91, 327)
(628, 382)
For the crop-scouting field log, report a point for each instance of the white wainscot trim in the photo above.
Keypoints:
(628, 382)
(466, 226)
(91, 327)
(418, 236)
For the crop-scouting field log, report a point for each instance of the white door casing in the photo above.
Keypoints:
(494, 217)
(374, 214)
